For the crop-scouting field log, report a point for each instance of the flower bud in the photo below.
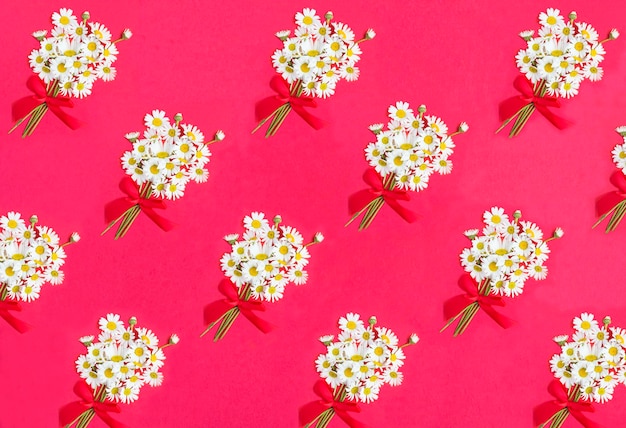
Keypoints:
(132, 136)
(327, 340)
(471, 234)
(232, 238)
(527, 34)
(376, 128)
(40, 35)
(283, 35)
(86, 340)
(85, 16)
(621, 130)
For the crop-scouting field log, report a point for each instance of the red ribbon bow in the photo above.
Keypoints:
(310, 411)
(215, 310)
(70, 412)
(22, 107)
(607, 201)
(455, 305)
(5, 307)
(267, 106)
(360, 199)
(114, 209)
(545, 411)
(511, 106)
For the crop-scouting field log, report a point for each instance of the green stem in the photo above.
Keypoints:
(86, 417)
(130, 215)
(278, 116)
(35, 116)
(522, 115)
(373, 207)
(468, 313)
(325, 418)
(557, 420)
(616, 218)
(230, 316)
(467, 317)
(226, 323)
(372, 211)
(34, 120)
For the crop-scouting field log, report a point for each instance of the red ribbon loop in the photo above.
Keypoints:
(70, 412)
(310, 411)
(5, 307)
(511, 106)
(215, 310)
(606, 202)
(362, 198)
(545, 411)
(115, 209)
(22, 107)
(269, 105)
(455, 305)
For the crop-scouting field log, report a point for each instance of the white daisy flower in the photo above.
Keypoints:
(64, 18)
(111, 324)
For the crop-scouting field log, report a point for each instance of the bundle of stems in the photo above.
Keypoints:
(523, 114)
(229, 317)
(278, 116)
(35, 115)
(372, 209)
(129, 216)
(467, 314)
(324, 418)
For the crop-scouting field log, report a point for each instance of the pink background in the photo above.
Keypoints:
(211, 61)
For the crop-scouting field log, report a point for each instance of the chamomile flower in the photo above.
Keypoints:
(508, 253)
(362, 358)
(350, 322)
(320, 53)
(169, 155)
(401, 111)
(411, 148)
(562, 54)
(307, 18)
(122, 361)
(64, 18)
(593, 359)
(268, 257)
(30, 256)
